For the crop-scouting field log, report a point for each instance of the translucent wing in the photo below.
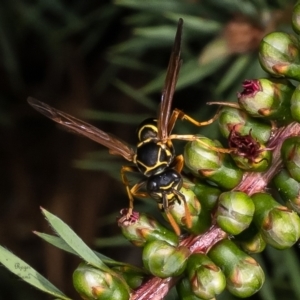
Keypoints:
(170, 84)
(115, 145)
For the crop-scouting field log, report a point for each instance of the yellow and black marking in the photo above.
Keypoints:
(154, 157)
(147, 130)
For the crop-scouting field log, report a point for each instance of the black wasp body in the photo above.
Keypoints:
(154, 156)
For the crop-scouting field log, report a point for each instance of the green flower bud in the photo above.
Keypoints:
(267, 98)
(214, 166)
(289, 190)
(248, 153)
(295, 104)
(133, 276)
(177, 210)
(279, 226)
(206, 279)
(279, 55)
(290, 153)
(296, 18)
(141, 228)
(232, 118)
(251, 240)
(92, 283)
(243, 274)
(185, 291)
(235, 211)
(207, 194)
(164, 260)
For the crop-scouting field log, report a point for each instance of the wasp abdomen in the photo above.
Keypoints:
(147, 130)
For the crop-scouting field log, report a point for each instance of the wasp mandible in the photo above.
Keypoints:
(154, 156)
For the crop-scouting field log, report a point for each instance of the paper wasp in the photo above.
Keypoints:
(154, 156)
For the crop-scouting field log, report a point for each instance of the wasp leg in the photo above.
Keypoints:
(192, 137)
(188, 218)
(178, 114)
(178, 163)
(135, 190)
(228, 104)
(125, 181)
(171, 219)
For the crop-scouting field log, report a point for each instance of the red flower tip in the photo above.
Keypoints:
(251, 87)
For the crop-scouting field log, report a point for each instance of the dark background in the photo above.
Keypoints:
(105, 62)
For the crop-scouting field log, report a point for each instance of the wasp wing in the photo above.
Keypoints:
(170, 84)
(115, 145)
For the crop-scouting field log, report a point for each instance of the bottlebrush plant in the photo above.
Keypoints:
(231, 193)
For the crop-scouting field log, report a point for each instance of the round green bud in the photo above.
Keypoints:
(206, 278)
(208, 194)
(141, 228)
(257, 158)
(235, 212)
(185, 291)
(133, 276)
(279, 55)
(233, 118)
(177, 210)
(204, 161)
(163, 260)
(289, 189)
(267, 98)
(92, 283)
(251, 240)
(296, 18)
(244, 275)
(295, 104)
(279, 226)
(290, 153)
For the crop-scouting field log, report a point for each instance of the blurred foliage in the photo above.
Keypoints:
(111, 56)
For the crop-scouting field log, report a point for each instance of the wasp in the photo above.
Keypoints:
(154, 155)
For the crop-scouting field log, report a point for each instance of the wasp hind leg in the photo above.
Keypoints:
(178, 163)
(179, 114)
(134, 191)
(171, 219)
(181, 198)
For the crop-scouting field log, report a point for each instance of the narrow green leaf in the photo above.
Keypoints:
(28, 274)
(74, 241)
(190, 73)
(153, 5)
(135, 94)
(114, 117)
(294, 273)
(135, 46)
(55, 241)
(163, 32)
(117, 240)
(60, 243)
(132, 63)
(197, 23)
(267, 291)
(233, 73)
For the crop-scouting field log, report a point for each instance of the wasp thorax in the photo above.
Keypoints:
(164, 183)
(147, 130)
(152, 158)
